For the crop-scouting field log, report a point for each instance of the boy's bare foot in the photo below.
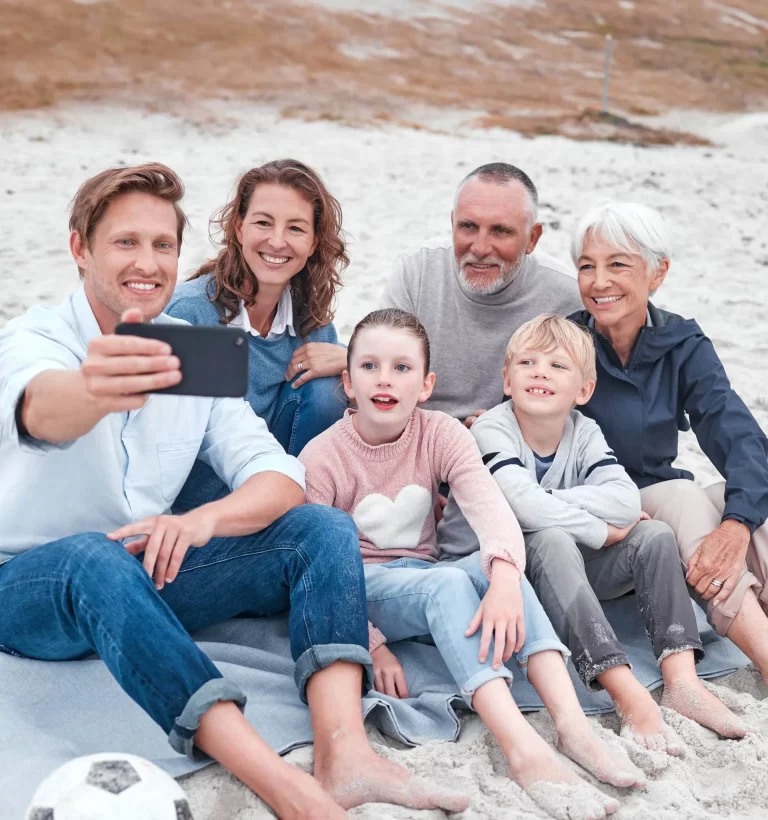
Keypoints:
(665, 741)
(358, 775)
(641, 720)
(564, 801)
(608, 762)
(554, 787)
(693, 700)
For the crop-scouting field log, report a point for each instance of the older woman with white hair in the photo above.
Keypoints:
(657, 374)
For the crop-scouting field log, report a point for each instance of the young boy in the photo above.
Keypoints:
(585, 540)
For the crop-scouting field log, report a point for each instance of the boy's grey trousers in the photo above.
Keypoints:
(571, 580)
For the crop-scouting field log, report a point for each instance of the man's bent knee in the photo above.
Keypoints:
(323, 529)
(91, 552)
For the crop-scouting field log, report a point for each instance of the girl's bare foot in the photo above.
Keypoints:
(693, 700)
(554, 787)
(359, 775)
(608, 762)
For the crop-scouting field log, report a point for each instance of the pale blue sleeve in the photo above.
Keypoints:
(237, 444)
(25, 353)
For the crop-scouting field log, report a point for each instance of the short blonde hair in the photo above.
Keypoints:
(548, 332)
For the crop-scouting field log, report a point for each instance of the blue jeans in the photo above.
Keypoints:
(86, 594)
(408, 597)
(300, 416)
(305, 413)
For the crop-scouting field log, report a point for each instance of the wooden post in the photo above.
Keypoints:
(606, 72)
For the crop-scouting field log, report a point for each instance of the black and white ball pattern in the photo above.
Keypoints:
(109, 787)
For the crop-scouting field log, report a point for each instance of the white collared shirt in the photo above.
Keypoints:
(283, 318)
(130, 465)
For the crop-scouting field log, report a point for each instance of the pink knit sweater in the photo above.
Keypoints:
(390, 490)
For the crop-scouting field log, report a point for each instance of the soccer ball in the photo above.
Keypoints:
(109, 787)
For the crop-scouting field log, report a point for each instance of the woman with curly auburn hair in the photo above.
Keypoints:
(276, 276)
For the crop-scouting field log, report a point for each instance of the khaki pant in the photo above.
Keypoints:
(692, 513)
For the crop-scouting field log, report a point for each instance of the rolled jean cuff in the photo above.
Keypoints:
(182, 735)
(698, 652)
(321, 656)
(542, 645)
(589, 671)
(479, 678)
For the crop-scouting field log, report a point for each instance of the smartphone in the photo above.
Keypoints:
(214, 359)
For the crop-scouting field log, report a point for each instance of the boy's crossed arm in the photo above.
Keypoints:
(535, 508)
(605, 490)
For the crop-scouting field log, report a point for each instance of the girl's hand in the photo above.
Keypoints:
(388, 675)
(501, 614)
(315, 361)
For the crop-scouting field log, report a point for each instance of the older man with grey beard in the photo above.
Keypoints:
(472, 297)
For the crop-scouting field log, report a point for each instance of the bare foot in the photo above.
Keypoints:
(608, 762)
(358, 776)
(665, 740)
(307, 802)
(642, 723)
(693, 700)
(564, 801)
(554, 787)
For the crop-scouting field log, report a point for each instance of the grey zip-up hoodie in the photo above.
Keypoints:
(584, 489)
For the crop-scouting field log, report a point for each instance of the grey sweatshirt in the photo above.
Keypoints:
(584, 488)
(469, 333)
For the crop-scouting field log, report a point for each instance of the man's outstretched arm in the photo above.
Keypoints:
(117, 375)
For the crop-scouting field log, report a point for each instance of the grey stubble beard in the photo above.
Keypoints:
(507, 272)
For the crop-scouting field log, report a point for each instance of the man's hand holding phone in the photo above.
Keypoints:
(121, 371)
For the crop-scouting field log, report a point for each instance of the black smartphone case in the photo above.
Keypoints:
(214, 360)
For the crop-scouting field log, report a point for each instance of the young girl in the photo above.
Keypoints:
(383, 463)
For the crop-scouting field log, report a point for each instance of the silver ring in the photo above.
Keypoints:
(716, 583)
(300, 366)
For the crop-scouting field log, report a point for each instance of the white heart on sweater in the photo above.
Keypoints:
(394, 524)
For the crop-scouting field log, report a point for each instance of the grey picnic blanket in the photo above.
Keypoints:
(51, 712)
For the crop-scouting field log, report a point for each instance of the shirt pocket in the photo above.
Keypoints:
(176, 461)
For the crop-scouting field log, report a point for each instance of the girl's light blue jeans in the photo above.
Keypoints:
(409, 597)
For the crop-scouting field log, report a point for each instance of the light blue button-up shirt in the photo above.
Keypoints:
(130, 465)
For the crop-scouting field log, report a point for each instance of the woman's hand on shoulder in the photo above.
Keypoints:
(315, 360)
(388, 674)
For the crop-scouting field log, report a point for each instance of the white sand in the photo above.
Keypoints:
(396, 187)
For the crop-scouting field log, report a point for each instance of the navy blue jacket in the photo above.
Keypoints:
(674, 380)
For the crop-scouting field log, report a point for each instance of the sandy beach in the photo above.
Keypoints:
(396, 187)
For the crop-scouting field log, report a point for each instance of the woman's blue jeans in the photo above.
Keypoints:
(300, 415)
(86, 594)
(305, 413)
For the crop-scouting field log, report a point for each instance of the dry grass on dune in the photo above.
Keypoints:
(536, 68)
